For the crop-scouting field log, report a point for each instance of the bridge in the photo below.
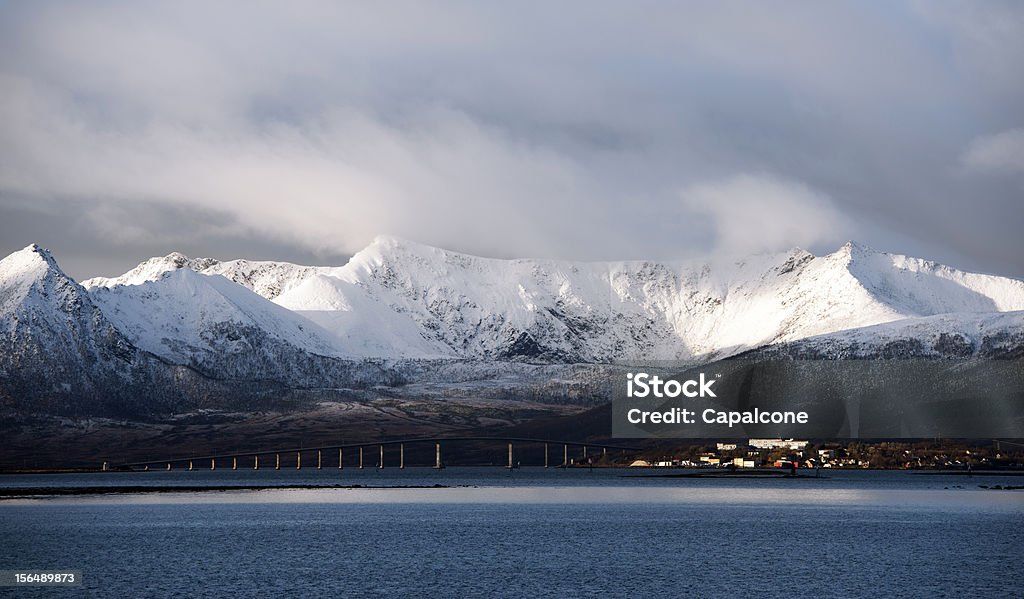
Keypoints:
(272, 458)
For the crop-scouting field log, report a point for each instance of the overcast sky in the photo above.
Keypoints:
(590, 130)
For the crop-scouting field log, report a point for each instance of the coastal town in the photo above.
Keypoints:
(795, 453)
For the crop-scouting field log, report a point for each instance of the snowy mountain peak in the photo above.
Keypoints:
(151, 270)
(388, 251)
(49, 320)
(268, 279)
(917, 287)
(184, 314)
(852, 246)
(851, 251)
(25, 270)
(33, 256)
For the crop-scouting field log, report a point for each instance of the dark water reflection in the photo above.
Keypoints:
(530, 534)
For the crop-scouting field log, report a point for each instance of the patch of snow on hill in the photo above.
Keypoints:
(184, 311)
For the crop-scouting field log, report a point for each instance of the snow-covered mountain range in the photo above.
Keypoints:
(398, 302)
(400, 299)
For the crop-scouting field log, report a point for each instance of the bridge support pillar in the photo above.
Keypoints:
(401, 456)
(437, 455)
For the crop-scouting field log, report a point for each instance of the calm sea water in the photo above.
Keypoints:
(527, 533)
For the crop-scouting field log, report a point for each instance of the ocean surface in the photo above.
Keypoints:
(525, 533)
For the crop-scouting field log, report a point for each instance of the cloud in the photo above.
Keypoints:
(510, 131)
(328, 185)
(761, 213)
(1002, 151)
(983, 41)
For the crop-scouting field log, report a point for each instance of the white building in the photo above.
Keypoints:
(777, 443)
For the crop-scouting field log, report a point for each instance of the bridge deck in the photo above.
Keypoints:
(385, 443)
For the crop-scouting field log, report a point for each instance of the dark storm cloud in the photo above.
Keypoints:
(588, 131)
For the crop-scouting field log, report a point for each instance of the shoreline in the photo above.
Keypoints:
(14, 493)
(695, 471)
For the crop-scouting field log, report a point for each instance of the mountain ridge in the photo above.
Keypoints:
(397, 298)
(176, 332)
